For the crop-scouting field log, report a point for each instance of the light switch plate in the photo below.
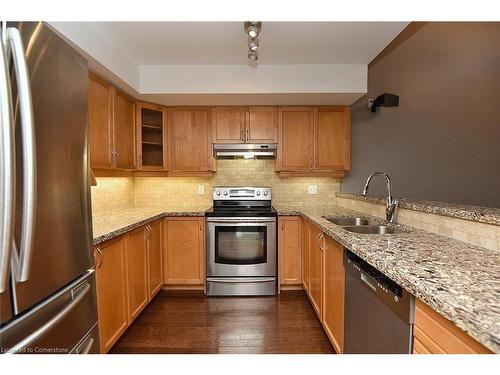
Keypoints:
(201, 189)
(312, 189)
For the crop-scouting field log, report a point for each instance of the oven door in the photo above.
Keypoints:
(241, 246)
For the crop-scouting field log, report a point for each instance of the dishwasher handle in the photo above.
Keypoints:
(368, 281)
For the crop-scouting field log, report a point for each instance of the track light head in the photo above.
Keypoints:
(252, 28)
(253, 44)
(253, 55)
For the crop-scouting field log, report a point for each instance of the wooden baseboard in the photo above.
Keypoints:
(291, 287)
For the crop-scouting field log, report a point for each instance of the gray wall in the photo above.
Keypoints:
(443, 141)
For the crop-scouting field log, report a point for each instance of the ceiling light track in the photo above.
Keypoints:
(253, 30)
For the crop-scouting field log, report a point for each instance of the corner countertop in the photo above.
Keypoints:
(458, 280)
(487, 215)
(115, 223)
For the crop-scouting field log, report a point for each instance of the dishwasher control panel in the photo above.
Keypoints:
(382, 282)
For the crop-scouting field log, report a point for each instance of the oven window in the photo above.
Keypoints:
(241, 245)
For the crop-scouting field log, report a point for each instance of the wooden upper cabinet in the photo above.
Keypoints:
(434, 334)
(100, 117)
(137, 272)
(155, 259)
(333, 292)
(184, 250)
(228, 125)
(290, 248)
(151, 130)
(111, 288)
(124, 130)
(316, 248)
(262, 125)
(190, 140)
(332, 139)
(245, 125)
(295, 138)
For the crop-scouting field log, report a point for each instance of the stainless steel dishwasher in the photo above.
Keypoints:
(379, 313)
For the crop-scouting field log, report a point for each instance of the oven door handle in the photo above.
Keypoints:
(241, 280)
(241, 221)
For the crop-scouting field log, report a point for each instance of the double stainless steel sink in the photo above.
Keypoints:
(363, 225)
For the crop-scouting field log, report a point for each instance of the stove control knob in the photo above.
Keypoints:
(258, 193)
(217, 192)
(225, 193)
(265, 194)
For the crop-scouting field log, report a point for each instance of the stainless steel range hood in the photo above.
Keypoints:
(245, 151)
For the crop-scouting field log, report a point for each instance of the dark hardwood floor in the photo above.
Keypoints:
(189, 322)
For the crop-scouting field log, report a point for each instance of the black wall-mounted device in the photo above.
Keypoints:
(384, 100)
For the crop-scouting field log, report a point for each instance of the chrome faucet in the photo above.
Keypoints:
(391, 203)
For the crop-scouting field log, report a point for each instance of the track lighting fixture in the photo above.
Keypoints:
(253, 30)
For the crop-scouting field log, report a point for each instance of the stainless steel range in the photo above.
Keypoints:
(241, 242)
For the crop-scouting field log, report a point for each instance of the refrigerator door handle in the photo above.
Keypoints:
(7, 191)
(22, 261)
(43, 330)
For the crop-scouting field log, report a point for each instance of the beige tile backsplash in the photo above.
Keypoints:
(481, 234)
(290, 191)
(114, 193)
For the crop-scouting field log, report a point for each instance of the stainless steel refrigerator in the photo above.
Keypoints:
(47, 281)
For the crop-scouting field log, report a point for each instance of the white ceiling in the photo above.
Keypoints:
(197, 59)
(225, 43)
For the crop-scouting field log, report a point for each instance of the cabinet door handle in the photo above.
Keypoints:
(98, 259)
(139, 160)
(241, 135)
(248, 135)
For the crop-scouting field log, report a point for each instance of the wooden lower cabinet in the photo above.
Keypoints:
(333, 293)
(306, 233)
(290, 251)
(111, 286)
(323, 280)
(128, 275)
(155, 259)
(184, 251)
(434, 334)
(137, 271)
(316, 269)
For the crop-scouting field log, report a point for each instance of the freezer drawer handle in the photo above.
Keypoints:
(85, 349)
(40, 332)
(248, 280)
(23, 260)
(7, 168)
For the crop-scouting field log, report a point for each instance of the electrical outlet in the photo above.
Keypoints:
(201, 189)
(312, 189)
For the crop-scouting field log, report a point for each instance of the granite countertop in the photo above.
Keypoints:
(112, 224)
(487, 215)
(458, 280)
